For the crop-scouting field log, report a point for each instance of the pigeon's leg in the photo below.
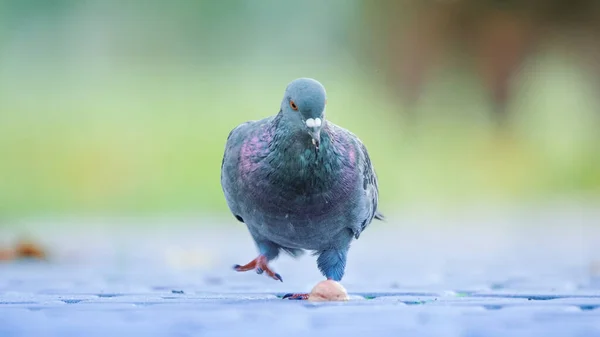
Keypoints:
(332, 263)
(268, 251)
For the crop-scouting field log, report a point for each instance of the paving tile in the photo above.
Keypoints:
(134, 285)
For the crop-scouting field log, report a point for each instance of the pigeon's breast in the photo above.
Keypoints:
(296, 180)
(296, 196)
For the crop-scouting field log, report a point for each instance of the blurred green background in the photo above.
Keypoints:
(123, 107)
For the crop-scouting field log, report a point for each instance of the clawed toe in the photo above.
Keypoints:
(295, 297)
(273, 275)
(260, 266)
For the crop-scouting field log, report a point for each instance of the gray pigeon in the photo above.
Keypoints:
(299, 182)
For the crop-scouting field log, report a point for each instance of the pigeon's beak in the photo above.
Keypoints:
(316, 136)
(314, 130)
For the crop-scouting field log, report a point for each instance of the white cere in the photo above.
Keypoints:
(312, 123)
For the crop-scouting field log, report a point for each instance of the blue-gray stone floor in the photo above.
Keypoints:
(528, 274)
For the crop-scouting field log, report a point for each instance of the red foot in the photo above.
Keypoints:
(295, 296)
(260, 265)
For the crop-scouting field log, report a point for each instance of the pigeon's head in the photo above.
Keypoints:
(304, 105)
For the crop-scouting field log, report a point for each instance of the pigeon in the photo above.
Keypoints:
(299, 183)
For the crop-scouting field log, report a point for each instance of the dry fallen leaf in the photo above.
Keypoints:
(23, 250)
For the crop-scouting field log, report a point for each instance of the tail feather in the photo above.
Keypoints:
(293, 252)
(379, 216)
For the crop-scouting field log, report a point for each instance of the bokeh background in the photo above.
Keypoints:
(122, 108)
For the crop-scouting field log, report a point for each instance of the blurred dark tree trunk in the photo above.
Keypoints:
(494, 37)
(502, 41)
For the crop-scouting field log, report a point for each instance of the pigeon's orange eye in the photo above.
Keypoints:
(293, 105)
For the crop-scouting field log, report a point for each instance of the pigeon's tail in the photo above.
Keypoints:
(293, 252)
(379, 216)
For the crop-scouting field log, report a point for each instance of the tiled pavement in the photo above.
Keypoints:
(480, 280)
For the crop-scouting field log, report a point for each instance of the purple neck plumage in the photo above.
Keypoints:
(276, 156)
